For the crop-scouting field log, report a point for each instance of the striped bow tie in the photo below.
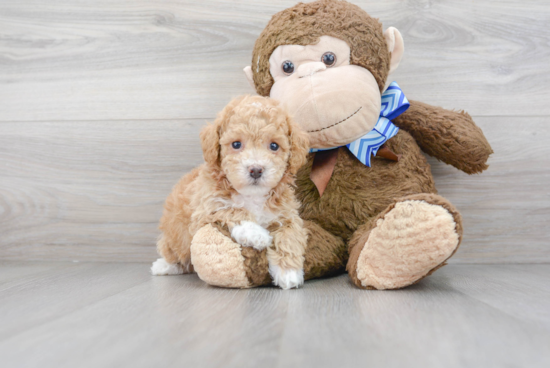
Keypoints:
(394, 103)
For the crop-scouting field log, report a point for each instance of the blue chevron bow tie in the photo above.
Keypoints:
(394, 103)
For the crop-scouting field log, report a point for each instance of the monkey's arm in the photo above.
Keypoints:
(449, 136)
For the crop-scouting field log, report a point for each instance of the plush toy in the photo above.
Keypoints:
(368, 198)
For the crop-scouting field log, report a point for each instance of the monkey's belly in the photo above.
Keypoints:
(357, 193)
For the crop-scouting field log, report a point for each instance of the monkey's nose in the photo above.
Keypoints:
(310, 68)
(256, 171)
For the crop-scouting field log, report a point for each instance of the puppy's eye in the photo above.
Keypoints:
(236, 145)
(329, 58)
(288, 67)
(274, 146)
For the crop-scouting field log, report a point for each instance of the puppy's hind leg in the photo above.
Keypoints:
(168, 264)
(162, 268)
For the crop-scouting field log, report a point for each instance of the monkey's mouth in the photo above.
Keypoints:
(340, 122)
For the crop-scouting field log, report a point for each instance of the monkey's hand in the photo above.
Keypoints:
(449, 136)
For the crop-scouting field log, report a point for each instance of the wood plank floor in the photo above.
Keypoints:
(117, 315)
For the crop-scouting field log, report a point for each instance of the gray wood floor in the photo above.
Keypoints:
(117, 315)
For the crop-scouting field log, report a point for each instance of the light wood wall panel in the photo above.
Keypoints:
(94, 190)
(89, 190)
(153, 59)
(101, 103)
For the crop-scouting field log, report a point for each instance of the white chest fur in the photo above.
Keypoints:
(255, 204)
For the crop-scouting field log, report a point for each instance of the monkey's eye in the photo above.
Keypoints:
(273, 146)
(288, 67)
(329, 58)
(236, 144)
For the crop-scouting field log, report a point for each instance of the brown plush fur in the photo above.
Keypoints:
(207, 194)
(355, 193)
(256, 266)
(449, 136)
(326, 254)
(310, 21)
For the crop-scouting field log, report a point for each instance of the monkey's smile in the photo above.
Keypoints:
(341, 121)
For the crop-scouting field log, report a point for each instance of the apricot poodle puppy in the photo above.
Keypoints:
(245, 188)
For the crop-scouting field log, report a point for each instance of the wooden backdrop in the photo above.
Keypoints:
(101, 102)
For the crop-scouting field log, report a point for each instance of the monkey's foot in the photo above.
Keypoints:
(408, 241)
(220, 261)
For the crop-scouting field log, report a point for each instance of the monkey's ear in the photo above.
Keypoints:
(395, 46)
(210, 142)
(248, 72)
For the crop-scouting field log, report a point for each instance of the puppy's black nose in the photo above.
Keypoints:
(256, 171)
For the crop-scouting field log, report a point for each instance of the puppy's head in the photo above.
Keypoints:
(255, 144)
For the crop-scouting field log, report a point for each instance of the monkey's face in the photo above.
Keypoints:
(335, 102)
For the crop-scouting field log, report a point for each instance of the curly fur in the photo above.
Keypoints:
(212, 194)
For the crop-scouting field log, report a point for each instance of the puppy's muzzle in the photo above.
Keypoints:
(255, 172)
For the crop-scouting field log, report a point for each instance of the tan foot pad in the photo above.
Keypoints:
(411, 240)
(217, 259)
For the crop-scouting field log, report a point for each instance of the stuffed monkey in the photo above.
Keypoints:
(368, 198)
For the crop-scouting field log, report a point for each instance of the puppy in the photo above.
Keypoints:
(252, 152)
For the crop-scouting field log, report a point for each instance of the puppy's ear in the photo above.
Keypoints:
(210, 142)
(299, 147)
(210, 134)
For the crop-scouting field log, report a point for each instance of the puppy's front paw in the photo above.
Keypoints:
(250, 234)
(286, 278)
